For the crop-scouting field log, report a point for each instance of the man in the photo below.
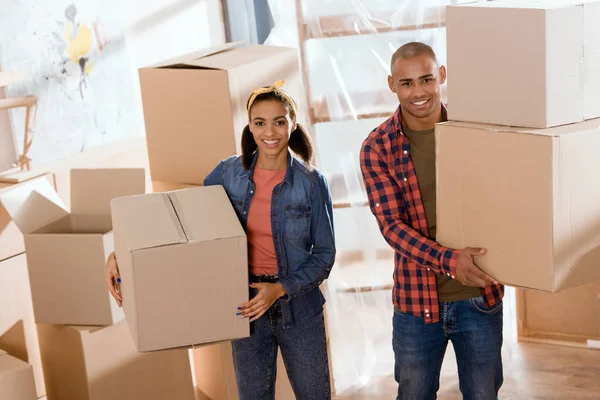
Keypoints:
(439, 293)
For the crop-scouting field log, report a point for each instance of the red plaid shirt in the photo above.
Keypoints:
(395, 200)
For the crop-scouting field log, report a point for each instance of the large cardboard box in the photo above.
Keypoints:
(571, 317)
(11, 238)
(18, 332)
(539, 59)
(66, 252)
(184, 267)
(16, 379)
(94, 363)
(530, 197)
(195, 105)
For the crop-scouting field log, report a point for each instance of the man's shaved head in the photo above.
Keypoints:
(416, 77)
(413, 49)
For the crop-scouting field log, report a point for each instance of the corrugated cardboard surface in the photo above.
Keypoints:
(187, 114)
(215, 374)
(528, 197)
(92, 189)
(183, 261)
(571, 314)
(554, 39)
(16, 379)
(124, 153)
(161, 187)
(18, 333)
(194, 115)
(102, 364)
(70, 289)
(11, 238)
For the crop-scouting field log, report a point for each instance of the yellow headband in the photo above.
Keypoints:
(276, 87)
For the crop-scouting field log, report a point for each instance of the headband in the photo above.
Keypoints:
(274, 88)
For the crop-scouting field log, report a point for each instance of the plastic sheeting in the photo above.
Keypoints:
(345, 47)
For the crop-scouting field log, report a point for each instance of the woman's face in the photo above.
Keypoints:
(271, 126)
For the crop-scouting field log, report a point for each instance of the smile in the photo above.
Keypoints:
(270, 142)
(420, 102)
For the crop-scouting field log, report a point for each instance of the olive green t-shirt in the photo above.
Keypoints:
(422, 152)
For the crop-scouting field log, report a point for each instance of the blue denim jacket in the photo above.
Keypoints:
(302, 226)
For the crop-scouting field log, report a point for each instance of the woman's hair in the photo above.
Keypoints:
(300, 141)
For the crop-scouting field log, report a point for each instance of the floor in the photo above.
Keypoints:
(531, 371)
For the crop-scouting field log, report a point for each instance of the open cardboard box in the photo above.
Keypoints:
(184, 267)
(66, 251)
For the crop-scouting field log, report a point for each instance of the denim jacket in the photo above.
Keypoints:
(302, 226)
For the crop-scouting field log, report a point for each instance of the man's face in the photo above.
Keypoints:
(416, 81)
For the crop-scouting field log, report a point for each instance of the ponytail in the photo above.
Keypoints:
(301, 144)
(249, 146)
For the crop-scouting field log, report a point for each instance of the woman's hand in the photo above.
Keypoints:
(113, 279)
(268, 293)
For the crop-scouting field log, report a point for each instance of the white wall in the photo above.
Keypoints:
(141, 32)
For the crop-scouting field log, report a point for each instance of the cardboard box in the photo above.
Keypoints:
(18, 332)
(195, 105)
(93, 363)
(124, 153)
(540, 61)
(184, 267)
(16, 379)
(66, 252)
(161, 187)
(215, 374)
(530, 197)
(11, 238)
(571, 317)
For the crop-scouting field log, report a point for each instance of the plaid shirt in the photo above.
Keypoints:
(395, 200)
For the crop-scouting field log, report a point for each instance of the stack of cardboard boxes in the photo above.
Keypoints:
(194, 112)
(517, 164)
(86, 350)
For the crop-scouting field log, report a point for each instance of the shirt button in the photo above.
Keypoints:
(405, 179)
(244, 212)
(453, 277)
(376, 204)
(405, 152)
(252, 191)
(448, 273)
(428, 269)
(426, 311)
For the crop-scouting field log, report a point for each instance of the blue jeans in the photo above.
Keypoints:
(304, 351)
(476, 335)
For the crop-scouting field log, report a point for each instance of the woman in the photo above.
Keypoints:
(285, 206)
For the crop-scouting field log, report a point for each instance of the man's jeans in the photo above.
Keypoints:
(476, 334)
(304, 351)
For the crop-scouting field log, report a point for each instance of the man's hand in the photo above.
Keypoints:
(468, 273)
(267, 295)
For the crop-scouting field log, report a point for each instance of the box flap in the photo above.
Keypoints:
(190, 59)
(206, 213)
(33, 204)
(229, 60)
(92, 189)
(146, 221)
